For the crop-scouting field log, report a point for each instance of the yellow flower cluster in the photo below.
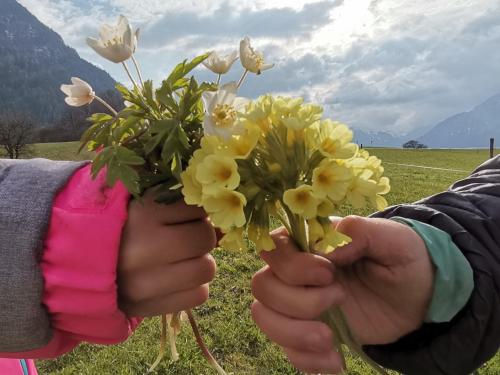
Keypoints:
(289, 163)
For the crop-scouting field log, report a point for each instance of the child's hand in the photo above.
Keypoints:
(164, 264)
(383, 281)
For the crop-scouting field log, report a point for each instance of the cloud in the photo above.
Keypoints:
(230, 22)
(392, 65)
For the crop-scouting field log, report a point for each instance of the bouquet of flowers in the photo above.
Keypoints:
(243, 161)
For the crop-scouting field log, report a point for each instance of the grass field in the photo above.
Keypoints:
(225, 319)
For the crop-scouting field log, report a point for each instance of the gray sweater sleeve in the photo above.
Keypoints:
(27, 190)
(470, 213)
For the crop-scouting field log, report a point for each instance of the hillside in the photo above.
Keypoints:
(34, 62)
(468, 129)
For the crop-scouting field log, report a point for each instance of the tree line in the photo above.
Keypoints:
(18, 130)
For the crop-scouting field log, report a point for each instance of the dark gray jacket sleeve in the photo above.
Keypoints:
(470, 212)
(27, 190)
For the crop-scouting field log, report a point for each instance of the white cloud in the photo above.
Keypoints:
(390, 65)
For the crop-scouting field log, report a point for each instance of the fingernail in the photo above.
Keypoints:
(315, 342)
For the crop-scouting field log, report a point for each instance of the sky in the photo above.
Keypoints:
(378, 65)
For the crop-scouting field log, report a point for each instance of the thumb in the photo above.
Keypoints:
(380, 240)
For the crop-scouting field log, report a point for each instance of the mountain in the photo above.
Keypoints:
(34, 62)
(468, 129)
(377, 139)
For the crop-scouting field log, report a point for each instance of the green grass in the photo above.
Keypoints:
(225, 319)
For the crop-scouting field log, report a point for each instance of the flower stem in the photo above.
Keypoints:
(103, 102)
(218, 79)
(129, 75)
(242, 79)
(136, 64)
(163, 344)
(203, 347)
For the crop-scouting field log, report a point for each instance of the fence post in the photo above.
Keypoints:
(492, 147)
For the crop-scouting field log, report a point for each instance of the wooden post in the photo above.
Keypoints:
(492, 147)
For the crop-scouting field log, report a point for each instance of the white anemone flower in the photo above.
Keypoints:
(79, 93)
(252, 60)
(219, 64)
(117, 42)
(221, 111)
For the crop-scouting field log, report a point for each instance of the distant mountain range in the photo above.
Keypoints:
(34, 62)
(468, 129)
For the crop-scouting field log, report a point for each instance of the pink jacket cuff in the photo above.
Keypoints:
(79, 265)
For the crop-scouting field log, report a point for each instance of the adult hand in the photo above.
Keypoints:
(164, 263)
(383, 282)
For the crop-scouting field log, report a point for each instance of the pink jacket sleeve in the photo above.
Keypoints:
(79, 266)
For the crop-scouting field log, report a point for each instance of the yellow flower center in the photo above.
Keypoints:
(329, 145)
(224, 173)
(224, 116)
(323, 179)
(302, 197)
(234, 202)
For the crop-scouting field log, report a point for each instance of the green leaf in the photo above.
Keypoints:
(184, 68)
(101, 160)
(127, 156)
(148, 94)
(99, 118)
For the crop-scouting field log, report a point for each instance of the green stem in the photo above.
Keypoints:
(136, 64)
(163, 344)
(130, 75)
(242, 79)
(104, 103)
(203, 347)
(218, 79)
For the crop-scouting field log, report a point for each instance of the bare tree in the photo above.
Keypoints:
(15, 134)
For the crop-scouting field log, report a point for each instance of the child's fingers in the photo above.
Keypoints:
(174, 213)
(314, 363)
(294, 301)
(305, 335)
(158, 282)
(162, 245)
(294, 267)
(174, 302)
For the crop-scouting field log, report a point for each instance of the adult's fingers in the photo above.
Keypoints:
(305, 335)
(172, 303)
(378, 239)
(160, 281)
(294, 267)
(294, 301)
(311, 362)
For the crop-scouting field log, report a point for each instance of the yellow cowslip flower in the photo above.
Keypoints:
(191, 189)
(316, 231)
(331, 179)
(261, 237)
(210, 144)
(296, 117)
(361, 187)
(326, 208)
(258, 113)
(233, 240)
(332, 240)
(332, 139)
(240, 147)
(217, 171)
(225, 208)
(302, 201)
